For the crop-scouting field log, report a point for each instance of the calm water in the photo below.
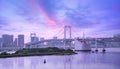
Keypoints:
(82, 60)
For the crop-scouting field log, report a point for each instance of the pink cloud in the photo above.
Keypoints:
(39, 9)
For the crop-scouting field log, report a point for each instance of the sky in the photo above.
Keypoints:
(46, 18)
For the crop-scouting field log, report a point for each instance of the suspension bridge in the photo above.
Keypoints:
(67, 41)
(70, 40)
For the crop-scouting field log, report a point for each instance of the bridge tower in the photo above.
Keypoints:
(67, 32)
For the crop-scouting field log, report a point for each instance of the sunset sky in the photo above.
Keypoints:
(94, 18)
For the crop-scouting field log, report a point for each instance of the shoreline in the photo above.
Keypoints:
(41, 54)
(38, 52)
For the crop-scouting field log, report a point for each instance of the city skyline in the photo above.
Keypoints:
(7, 40)
(99, 18)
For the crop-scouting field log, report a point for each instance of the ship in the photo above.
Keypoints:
(82, 45)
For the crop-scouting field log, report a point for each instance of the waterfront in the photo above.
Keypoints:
(82, 60)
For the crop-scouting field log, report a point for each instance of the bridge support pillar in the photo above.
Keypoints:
(67, 29)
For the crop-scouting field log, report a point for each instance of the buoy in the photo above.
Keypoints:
(44, 61)
(92, 51)
(103, 50)
(96, 50)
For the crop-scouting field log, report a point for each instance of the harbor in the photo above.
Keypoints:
(83, 60)
(59, 34)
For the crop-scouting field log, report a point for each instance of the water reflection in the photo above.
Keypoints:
(79, 61)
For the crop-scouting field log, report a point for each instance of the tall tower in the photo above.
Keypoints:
(33, 37)
(15, 43)
(0, 42)
(7, 40)
(67, 32)
(21, 40)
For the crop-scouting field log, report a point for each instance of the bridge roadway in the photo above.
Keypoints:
(54, 40)
(49, 40)
(99, 40)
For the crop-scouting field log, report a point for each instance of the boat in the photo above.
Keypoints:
(82, 45)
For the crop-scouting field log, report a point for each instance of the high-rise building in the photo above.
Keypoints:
(15, 43)
(33, 37)
(36, 39)
(0, 42)
(7, 40)
(21, 40)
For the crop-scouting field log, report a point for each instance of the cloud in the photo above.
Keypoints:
(37, 7)
(47, 17)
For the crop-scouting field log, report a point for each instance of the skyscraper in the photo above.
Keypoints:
(7, 40)
(33, 37)
(15, 42)
(21, 40)
(0, 42)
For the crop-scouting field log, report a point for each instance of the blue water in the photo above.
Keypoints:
(82, 60)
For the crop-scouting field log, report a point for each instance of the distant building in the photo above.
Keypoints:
(33, 37)
(36, 39)
(117, 36)
(15, 43)
(21, 40)
(7, 40)
(55, 38)
(0, 42)
(41, 39)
